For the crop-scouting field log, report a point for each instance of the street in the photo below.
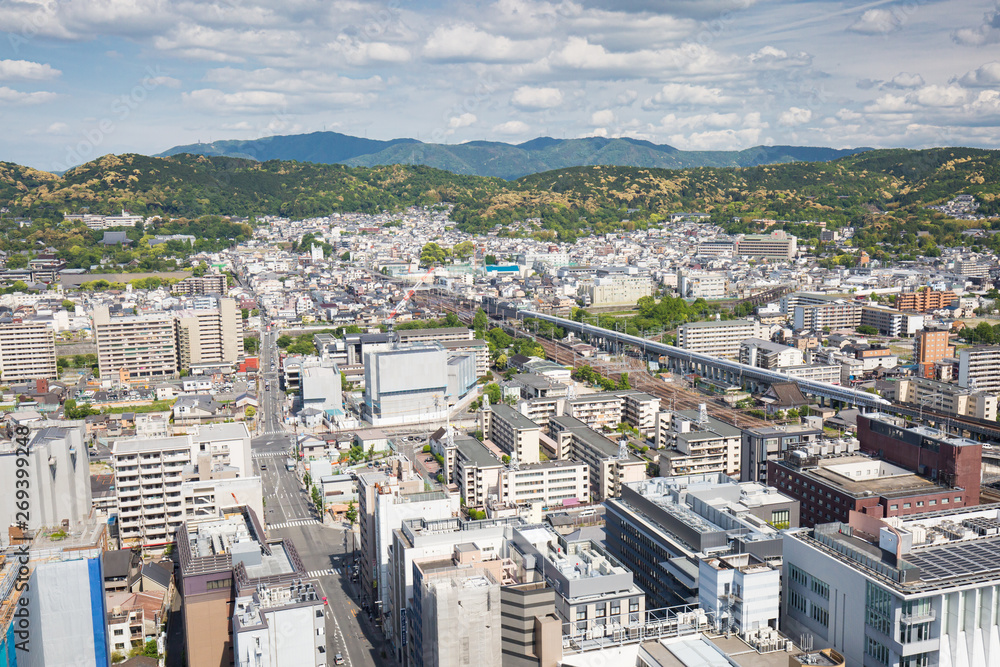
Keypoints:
(288, 513)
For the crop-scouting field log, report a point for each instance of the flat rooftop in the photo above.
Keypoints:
(513, 417)
(852, 474)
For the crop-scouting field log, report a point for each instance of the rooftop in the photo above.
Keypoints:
(513, 417)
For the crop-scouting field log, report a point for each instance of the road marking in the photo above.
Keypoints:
(268, 455)
(322, 573)
(295, 522)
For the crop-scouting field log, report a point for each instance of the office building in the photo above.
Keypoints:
(946, 459)
(771, 442)
(740, 591)
(717, 338)
(771, 356)
(201, 285)
(979, 368)
(406, 385)
(933, 395)
(618, 290)
(59, 489)
(690, 442)
(223, 559)
(456, 617)
(890, 322)
(925, 300)
(512, 432)
(830, 316)
(830, 487)
(661, 528)
(930, 347)
(210, 336)
(27, 352)
(280, 626)
(610, 467)
(135, 346)
(531, 632)
(777, 245)
(914, 591)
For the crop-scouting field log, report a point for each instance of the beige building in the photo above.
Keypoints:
(27, 352)
(623, 290)
(943, 397)
(512, 432)
(718, 338)
(143, 346)
(608, 469)
(776, 245)
(210, 336)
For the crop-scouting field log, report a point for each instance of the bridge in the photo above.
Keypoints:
(733, 372)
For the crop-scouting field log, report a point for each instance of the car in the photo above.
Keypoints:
(325, 602)
(263, 466)
(338, 659)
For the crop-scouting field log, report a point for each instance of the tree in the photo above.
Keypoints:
(244, 313)
(68, 305)
(432, 254)
(493, 391)
(307, 480)
(346, 257)
(251, 345)
(502, 361)
(352, 513)
(250, 412)
(490, 260)
(623, 381)
(463, 250)
(867, 330)
(480, 321)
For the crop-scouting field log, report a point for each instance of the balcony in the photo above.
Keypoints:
(918, 617)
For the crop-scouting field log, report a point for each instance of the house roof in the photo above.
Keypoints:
(116, 563)
(787, 393)
(157, 573)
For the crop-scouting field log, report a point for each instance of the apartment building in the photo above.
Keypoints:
(27, 352)
(479, 348)
(788, 302)
(925, 300)
(891, 322)
(691, 442)
(943, 397)
(210, 336)
(640, 411)
(771, 356)
(442, 335)
(758, 445)
(702, 285)
(597, 410)
(279, 625)
(972, 268)
(512, 432)
(718, 338)
(831, 373)
(930, 347)
(979, 368)
(546, 482)
(609, 470)
(618, 290)
(140, 346)
(776, 245)
(829, 316)
(201, 285)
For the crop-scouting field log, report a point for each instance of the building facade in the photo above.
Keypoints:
(27, 352)
(141, 346)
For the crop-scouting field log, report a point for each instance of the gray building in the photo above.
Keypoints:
(406, 385)
(771, 442)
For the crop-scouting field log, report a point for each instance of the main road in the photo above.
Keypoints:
(326, 551)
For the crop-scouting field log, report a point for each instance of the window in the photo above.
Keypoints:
(906, 506)
(919, 660)
(920, 503)
(798, 576)
(944, 501)
(797, 601)
(633, 605)
(878, 608)
(119, 632)
(958, 499)
(616, 608)
(780, 519)
(820, 615)
(581, 614)
(932, 502)
(894, 507)
(917, 632)
(876, 650)
(220, 583)
(821, 588)
(601, 610)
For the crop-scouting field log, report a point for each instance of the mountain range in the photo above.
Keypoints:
(498, 159)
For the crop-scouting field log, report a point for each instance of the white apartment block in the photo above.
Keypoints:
(891, 322)
(944, 397)
(718, 338)
(765, 354)
(818, 372)
(27, 351)
(619, 290)
(512, 432)
(979, 368)
(608, 469)
(640, 411)
(144, 346)
(597, 410)
(827, 316)
(694, 443)
(699, 285)
(546, 482)
(280, 626)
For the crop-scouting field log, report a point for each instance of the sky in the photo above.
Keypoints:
(84, 78)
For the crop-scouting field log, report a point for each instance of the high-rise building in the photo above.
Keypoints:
(531, 632)
(27, 351)
(201, 285)
(717, 338)
(406, 385)
(141, 346)
(776, 245)
(456, 617)
(210, 336)
(979, 368)
(925, 300)
(930, 347)
(691, 442)
(841, 314)
(760, 444)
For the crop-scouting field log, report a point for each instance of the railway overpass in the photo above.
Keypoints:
(686, 361)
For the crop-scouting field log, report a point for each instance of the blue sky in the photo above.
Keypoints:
(83, 78)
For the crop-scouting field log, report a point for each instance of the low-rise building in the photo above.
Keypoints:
(691, 442)
(610, 466)
(717, 338)
(280, 625)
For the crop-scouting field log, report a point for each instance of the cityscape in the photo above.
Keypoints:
(502, 333)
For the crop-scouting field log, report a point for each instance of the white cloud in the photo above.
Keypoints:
(905, 80)
(374, 53)
(57, 128)
(464, 120)
(467, 43)
(210, 99)
(25, 70)
(511, 127)
(795, 116)
(582, 56)
(987, 102)
(603, 117)
(686, 94)
(939, 96)
(889, 103)
(166, 81)
(984, 75)
(728, 139)
(987, 32)
(528, 98)
(627, 97)
(11, 96)
(875, 22)
(771, 57)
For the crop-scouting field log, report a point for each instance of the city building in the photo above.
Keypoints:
(702, 285)
(897, 591)
(210, 336)
(512, 432)
(530, 632)
(479, 348)
(597, 410)
(548, 483)
(925, 300)
(740, 591)
(772, 356)
(930, 347)
(618, 290)
(660, 529)
(979, 368)
(972, 268)
(776, 245)
(27, 352)
(610, 467)
(640, 411)
(424, 336)
(223, 559)
(830, 487)
(771, 442)
(280, 626)
(59, 489)
(201, 285)
(718, 338)
(942, 397)
(890, 322)
(944, 458)
(691, 442)
(829, 316)
(406, 385)
(136, 346)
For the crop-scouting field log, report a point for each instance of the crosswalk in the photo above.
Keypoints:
(295, 522)
(324, 573)
(268, 455)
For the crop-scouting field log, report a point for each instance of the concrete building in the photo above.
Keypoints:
(776, 245)
(660, 529)
(691, 442)
(531, 632)
(424, 336)
(640, 411)
(702, 285)
(201, 285)
(461, 370)
(210, 336)
(925, 300)
(406, 385)
(59, 488)
(223, 559)
(597, 410)
(619, 290)
(27, 352)
(322, 389)
(890, 322)
(740, 591)
(280, 626)
(141, 346)
(717, 338)
(830, 487)
(765, 354)
(610, 470)
(979, 368)
(972, 268)
(830, 316)
(478, 348)
(930, 347)
(915, 591)
(943, 397)
(949, 460)
(512, 432)
(548, 483)
(758, 445)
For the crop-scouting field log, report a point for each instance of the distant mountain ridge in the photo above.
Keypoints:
(498, 159)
